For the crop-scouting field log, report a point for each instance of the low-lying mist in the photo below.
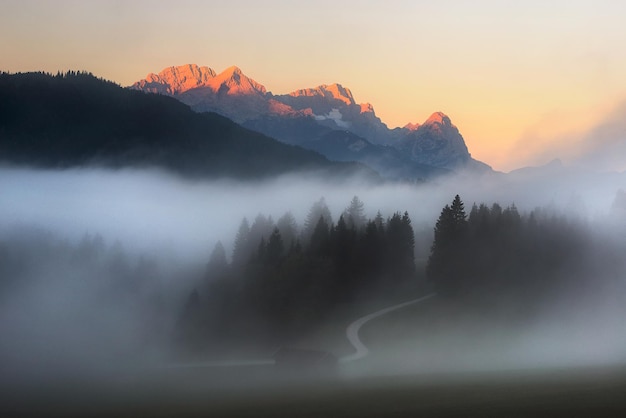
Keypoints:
(97, 266)
(152, 210)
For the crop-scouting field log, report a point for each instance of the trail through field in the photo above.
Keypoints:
(352, 332)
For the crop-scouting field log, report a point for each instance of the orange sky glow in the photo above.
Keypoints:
(515, 78)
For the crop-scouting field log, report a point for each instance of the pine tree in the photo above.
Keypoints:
(319, 209)
(262, 227)
(261, 252)
(241, 249)
(275, 248)
(447, 263)
(218, 261)
(320, 237)
(343, 249)
(408, 245)
(400, 240)
(371, 250)
(288, 228)
(354, 215)
(458, 212)
(380, 222)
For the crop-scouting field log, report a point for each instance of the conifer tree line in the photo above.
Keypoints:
(282, 279)
(498, 249)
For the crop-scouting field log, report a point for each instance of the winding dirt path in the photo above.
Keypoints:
(352, 332)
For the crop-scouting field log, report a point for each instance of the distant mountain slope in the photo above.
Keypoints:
(343, 145)
(438, 142)
(334, 106)
(77, 119)
(296, 118)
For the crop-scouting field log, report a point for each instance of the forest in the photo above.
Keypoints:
(284, 281)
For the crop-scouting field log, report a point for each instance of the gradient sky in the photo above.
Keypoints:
(515, 77)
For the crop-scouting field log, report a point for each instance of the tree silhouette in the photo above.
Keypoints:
(318, 209)
(275, 248)
(241, 250)
(446, 266)
(217, 265)
(372, 252)
(288, 228)
(320, 237)
(354, 214)
(400, 247)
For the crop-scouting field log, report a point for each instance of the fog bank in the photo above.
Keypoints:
(152, 210)
(68, 312)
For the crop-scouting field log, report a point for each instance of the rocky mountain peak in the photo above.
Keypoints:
(412, 126)
(233, 70)
(178, 80)
(175, 80)
(233, 81)
(367, 108)
(437, 142)
(329, 91)
(439, 118)
(308, 113)
(436, 121)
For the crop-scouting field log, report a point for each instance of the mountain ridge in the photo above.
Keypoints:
(78, 120)
(436, 142)
(334, 91)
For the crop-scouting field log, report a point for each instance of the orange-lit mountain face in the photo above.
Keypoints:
(176, 80)
(332, 92)
(236, 96)
(306, 115)
(230, 93)
(411, 126)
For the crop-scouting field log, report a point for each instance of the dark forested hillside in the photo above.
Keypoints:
(76, 119)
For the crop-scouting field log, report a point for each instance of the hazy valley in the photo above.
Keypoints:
(122, 215)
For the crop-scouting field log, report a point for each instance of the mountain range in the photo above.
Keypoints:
(77, 120)
(326, 119)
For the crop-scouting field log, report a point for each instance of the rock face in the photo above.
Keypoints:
(230, 93)
(436, 142)
(232, 82)
(176, 80)
(305, 117)
(329, 92)
(334, 106)
(411, 126)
